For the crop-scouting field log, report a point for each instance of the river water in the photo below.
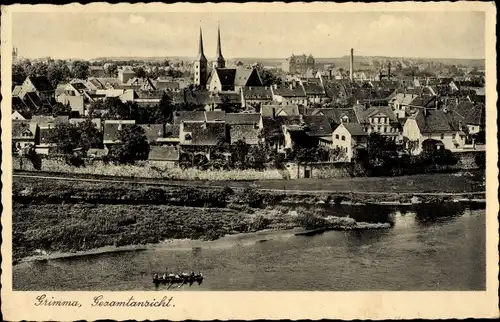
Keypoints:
(424, 250)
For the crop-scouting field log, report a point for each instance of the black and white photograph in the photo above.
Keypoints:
(168, 151)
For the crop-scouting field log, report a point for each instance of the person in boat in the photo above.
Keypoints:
(192, 274)
(164, 275)
(155, 276)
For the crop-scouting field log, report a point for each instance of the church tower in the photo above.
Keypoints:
(200, 66)
(221, 63)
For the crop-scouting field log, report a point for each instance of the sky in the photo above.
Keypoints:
(257, 35)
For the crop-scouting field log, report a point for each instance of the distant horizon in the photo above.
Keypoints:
(246, 58)
(259, 35)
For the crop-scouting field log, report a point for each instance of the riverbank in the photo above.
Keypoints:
(72, 228)
(65, 216)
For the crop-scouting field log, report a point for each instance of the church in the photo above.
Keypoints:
(222, 79)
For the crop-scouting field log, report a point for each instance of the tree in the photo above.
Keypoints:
(239, 151)
(66, 136)
(37, 69)
(61, 109)
(18, 74)
(35, 159)
(134, 145)
(57, 72)
(139, 72)
(380, 148)
(90, 136)
(257, 157)
(80, 69)
(166, 109)
(116, 108)
(112, 70)
(268, 78)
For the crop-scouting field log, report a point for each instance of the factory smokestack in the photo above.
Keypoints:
(351, 65)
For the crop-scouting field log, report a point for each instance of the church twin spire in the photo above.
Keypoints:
(220, 61)
(200, 63)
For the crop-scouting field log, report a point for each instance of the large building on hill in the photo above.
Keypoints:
(299, 64)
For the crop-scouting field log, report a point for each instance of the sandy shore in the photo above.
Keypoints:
(227, 241)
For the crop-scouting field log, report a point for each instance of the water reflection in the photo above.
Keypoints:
(436, 239)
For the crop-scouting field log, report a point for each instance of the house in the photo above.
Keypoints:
(318, 129)
(148, 98)
(315, 92)
(201, 137)
(273, 130)
(189, 116)
(422, 101)
(77, 103)
(470, 114)
(40, 85)
(378, 119)
(335, 116)
(289, 95)
(17, 116)
(125, 73)
(256, 96)
(433, 124)
(233, 79)
(24, 135)
(218, 100)
(153, 132)
(112, 128)
(349, 137)
(279, 110)
(164, 155)
(400, 102)
(244, 126)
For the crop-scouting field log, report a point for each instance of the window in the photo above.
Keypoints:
(454, 136)
(343, 137)
(442, 136)
(337, 136)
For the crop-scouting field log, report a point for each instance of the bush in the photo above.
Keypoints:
(480, 160)
(311, 221)
(35, 159)
(252, 197)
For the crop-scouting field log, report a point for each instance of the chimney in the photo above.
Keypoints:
(291, 86)
(351, 66)
(436, 103)
(425, 111)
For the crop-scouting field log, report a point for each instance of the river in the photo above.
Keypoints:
(423, 251)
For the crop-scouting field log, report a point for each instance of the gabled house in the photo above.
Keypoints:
(24, 135)
(378, 119)
(40, 85)
(433, 124)
(256, 96)
(279, 110)
(201, 137)
(290, 94)
(273, 130)
(469, 114)
(315, 93)
(400, 102)
(168, 86)
(349, 137)
(244, 126)
(16, 116)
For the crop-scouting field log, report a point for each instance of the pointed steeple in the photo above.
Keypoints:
(221, 63)
(201, 54)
